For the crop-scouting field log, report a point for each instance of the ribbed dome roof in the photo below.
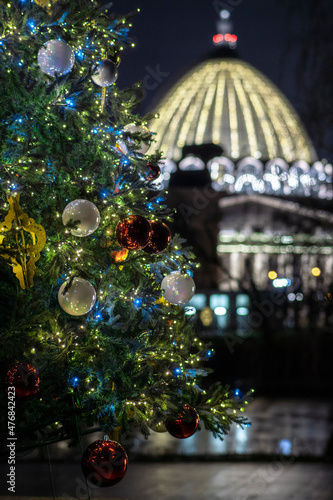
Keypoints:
(230, 103)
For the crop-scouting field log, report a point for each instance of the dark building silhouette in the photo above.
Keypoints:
(251, 197)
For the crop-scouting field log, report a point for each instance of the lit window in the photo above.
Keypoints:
(220, 305)
(190, 311)
(220, 311)
(281, 282)
(284, 447)
(242, 300)
(198, 301)
(219, 300)
(191, 163)
(242, 311)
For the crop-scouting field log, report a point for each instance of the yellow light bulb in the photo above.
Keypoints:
(316, 271)
(272, 275)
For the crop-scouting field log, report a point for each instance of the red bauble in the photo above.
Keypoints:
(159, 237)
(154, 172)
(185, 424)
(133, 233)
(25, 378)
(104, 463)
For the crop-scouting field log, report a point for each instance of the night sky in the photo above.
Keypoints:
(173, 35)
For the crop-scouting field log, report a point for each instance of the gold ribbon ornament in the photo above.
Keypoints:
(42, 3)
(21, 256)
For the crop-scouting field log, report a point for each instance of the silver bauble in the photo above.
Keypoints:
(79, 298)
(56, 57)
(130, 129)
(178, 288)
(106, 73)
(84, 211)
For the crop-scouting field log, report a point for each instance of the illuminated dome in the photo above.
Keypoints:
(229, 103)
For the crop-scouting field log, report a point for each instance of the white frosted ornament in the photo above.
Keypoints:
(131, 128)
(86, 213)
(79, 298)
(178, 288)
(56, 57)
(106, 73)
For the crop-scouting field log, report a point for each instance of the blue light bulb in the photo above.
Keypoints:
(137, 302)
(31, 25)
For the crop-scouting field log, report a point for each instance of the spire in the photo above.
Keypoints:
(225, 36)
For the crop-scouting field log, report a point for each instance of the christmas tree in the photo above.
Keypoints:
(93, 288)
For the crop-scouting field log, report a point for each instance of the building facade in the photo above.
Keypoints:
(251, 196)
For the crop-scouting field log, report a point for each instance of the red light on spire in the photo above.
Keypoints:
(218, 38)
(230, 38)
